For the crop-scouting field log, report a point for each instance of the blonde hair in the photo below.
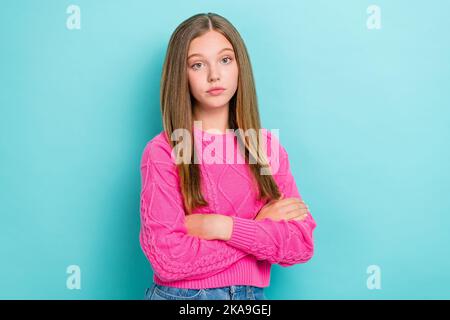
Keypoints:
(177, 103)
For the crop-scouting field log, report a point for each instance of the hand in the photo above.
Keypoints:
(284, 209)
(209, 226)
(194, 224)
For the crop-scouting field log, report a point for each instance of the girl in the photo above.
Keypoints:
(213, 223)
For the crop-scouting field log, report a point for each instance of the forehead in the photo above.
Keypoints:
(209, 43)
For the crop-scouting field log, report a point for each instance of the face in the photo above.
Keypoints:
(212, 63)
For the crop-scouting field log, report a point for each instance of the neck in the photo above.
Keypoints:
(212, 118)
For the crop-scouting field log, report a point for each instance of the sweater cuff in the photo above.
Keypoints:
(244, 233)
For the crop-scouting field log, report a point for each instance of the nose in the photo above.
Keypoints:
(213, 74)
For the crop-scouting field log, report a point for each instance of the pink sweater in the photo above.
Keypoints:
(185, 261)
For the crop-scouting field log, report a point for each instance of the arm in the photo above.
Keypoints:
(285, 242)
(174, 254)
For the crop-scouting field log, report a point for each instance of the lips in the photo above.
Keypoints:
(216, 91)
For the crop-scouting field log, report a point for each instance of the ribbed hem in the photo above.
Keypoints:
(243, 234)
(248, 271)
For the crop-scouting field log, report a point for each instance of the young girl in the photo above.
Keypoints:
(213, 221)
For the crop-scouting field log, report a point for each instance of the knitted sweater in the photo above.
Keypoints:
(185, 261)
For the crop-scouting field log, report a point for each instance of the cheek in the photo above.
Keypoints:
(195, 83)
(233, 76)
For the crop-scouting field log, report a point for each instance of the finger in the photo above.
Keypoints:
(296, 213)
(293, 206)
(296, 200)
(299, 215)
(287, 201)
(303, 217)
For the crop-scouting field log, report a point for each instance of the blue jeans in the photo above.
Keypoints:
(239, 292)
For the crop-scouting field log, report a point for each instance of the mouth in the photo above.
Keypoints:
(216, 91)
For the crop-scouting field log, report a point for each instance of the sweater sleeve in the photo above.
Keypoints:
(285, 242)
(172, 252)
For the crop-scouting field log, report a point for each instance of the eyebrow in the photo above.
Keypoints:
(198, 54)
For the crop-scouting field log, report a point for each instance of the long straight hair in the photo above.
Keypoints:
(177, 104)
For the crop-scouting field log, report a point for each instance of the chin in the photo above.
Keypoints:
(216, 104)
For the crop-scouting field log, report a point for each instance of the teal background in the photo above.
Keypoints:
(364, 115)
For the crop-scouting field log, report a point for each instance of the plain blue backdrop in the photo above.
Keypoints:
(363, 113)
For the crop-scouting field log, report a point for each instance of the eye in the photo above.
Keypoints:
(229, 59)
(194, 66)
